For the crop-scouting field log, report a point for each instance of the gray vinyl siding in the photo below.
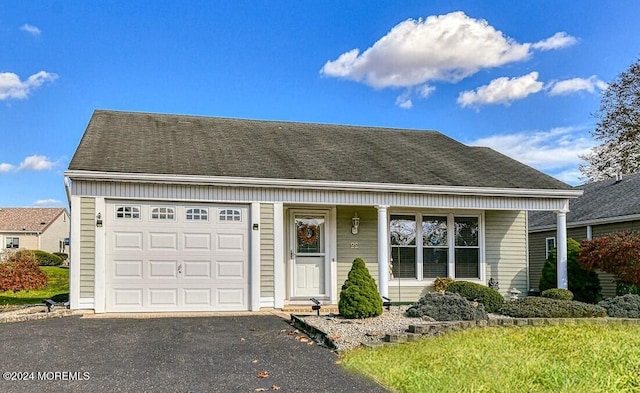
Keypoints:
(506, 249)
(600, 230)
(87, 247)
(367, 239)
(266, 250)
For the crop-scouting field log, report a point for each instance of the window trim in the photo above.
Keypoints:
(139, 211)
(13, 238)
(419, 214)
(546, 246)
(167, 213)
(220, 211)
(199, 214)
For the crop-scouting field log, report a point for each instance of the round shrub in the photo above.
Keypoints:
(584, 284)
(625, 306)
(542, 307)
(62, 255)
(489, 297)
(557, 293)
(359, 297)
(447, 307)
(20, 271)
(42, 257)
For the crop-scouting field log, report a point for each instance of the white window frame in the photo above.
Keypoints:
(546, 246)
(419, 280)
(132, 212)
(224, 212)
(13, 243)
(197, 216)
(169, 213)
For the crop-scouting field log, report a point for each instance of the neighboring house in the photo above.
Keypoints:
(34, 228)
(187, 213)
(606, 206)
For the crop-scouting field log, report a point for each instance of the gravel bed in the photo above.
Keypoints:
(351, 333)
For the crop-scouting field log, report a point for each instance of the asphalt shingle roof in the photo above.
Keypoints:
(601, 200)
(27, 219)
(129, 142)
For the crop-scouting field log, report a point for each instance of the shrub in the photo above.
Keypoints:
(47, 259)
(62, 255)
(440, 284)
(584, 284)
(626, 306)
(557, 293)
(359, 297)
(541, 307)
(489, 297)
(623, 288)
(616, 253)
(447, 307)
(20, 271)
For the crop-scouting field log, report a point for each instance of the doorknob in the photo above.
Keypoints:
(291, 254)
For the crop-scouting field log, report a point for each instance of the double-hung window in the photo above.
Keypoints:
(426, 246)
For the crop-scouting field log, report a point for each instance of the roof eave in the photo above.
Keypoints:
(596, 221)
(320, 184)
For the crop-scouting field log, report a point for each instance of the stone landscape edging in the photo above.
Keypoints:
(35, 316)
(430, 329)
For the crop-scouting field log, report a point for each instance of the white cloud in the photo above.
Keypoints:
(404, 102)
(557, 41)
(12, 87)
(33, 30)
(502, 91)
(47, 202)
(36, 163)
(554, 151)
(4, 167)
(575, 85)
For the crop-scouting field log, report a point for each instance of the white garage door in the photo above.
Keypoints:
(176, 257)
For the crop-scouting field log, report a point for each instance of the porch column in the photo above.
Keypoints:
(383, 251)
(562, 249)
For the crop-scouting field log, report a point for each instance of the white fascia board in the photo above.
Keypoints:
(597, 221)
(320, 184)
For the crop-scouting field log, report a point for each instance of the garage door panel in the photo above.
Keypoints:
(163, 241)
(163, 297)
(163, 269)
(197, 269)
(174, 265)
(127, 269)
(128, 241)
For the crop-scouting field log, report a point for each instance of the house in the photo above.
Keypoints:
(606, 206)
(188, 213)
(34, 228)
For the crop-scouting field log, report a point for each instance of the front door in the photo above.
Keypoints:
(308, 252)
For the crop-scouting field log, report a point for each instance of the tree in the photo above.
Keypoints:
(359, 297)
(617, 130)
(617, 253)
(583, 283)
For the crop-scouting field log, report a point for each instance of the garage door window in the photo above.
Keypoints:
(163, 213)
(229, 215)
(130, 212)
(197, 214)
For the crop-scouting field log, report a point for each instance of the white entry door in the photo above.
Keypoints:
(309, 255)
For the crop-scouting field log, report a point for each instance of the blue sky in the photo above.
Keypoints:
(521, 77)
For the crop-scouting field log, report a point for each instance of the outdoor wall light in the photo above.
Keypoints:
(99, 220)
(355, 223)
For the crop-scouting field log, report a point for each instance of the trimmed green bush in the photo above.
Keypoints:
(584, 284)
(447, 306)
(558, 294)
(489, 297)
(62, 255)
(359, 297)
(542, 307)
(626, 306)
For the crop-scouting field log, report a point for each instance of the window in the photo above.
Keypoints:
(435, 249)
(197, 214)
(229, 215)
(12, 242)
(128, 212)
(163, 213)
(449, 246)
(550, 245)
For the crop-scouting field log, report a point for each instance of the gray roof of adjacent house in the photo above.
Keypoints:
(606, 199)
(126, 142)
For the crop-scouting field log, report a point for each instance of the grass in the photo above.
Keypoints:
(568, 358)
(58, 285)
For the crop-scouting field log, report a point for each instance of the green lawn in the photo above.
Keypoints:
(570, 358)
(58, 285)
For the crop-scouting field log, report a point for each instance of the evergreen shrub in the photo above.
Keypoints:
(359, 297)
(489, 297)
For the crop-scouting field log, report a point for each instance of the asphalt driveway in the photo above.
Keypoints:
(207, 354)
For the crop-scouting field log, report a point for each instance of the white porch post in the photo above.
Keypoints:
(383, 251)
(562, 249)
